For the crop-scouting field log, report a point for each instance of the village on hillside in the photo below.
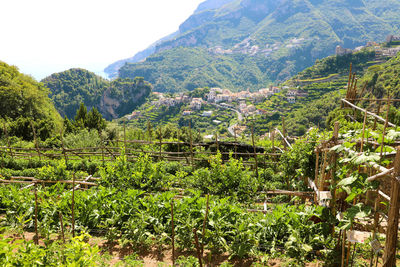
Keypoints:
(242, 102)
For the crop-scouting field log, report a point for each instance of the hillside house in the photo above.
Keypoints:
(196, 104)
(207, 113)
(340, 51)
(392, 38)
(291, 99)
(186, 112)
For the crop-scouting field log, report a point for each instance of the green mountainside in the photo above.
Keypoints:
(24, 103)
(112, 98)
(267, 40)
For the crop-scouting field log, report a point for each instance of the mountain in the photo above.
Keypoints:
(283, 37)
(112, 98)
(25, 103)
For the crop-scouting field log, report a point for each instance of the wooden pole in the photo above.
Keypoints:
(348, 83)
(173, 232)
(160, 138)
(196, 239)
(36, 237)
(384, 127)
(316, 180)
(376, 221)
(377, 113)
(72, 206)
(125, 137)
(322, 181)
(389, 257)
(204, 226)
(254, 148)
(63, 147)
(102, 149)
(191, 145)
(62, 227)
(343, 247)
(334, 159)
(216, 140)
(234, 131)
(284, 133)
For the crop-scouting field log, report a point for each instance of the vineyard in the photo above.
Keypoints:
(329, 198)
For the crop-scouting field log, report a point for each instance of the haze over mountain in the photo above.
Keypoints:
(251, 43)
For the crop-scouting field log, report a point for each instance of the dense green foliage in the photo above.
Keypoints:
(72, 87)
(383, 80)
(113, 99)
(24, 103)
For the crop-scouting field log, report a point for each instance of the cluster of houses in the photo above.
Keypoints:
(170, 101)
(248, 47)
(218, 95)
(380, 51)
(224, 97)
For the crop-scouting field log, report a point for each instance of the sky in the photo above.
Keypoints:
(42, 37)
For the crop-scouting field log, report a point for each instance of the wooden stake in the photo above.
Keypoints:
(377, 113)
(72, 206)
(322, 182)
(334, 159)
(160, 138)
(125, 137)
(197, 247)
(216, 140)
(173, 232)
(191, 145)
(62, 227)
(234, 131)
(63, 147)
(284, 133)
(348, 83)
(389, 257)
(36, 237)
(204, 226)
(254, 148)
(384, 127)
(343, 247)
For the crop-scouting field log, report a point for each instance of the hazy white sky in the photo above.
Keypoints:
(41, 37)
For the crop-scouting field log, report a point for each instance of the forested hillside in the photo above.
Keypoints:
(266, 41)
(24, 104)
(112, 98)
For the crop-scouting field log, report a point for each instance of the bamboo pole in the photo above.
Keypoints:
(73, 204)
(254, 148)
(389, 257)
(369, 113)
(284, 133)
(160, 138)
(36, 237)
(377, 113)
(204, 226)
(234, 132)
(216, 140)
(173, 232)
(125, 137)
(191, 145)
(63, 147)
(334, 159)
(197, 247)
(384, 127)
(62, 226)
